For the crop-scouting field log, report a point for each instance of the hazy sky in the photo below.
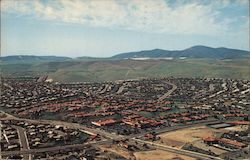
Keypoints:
(107, 27)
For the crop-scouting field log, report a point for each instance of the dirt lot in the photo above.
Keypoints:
(117, 150)
(159, 155)
(180, 137)
(237, 128)
(201, 145)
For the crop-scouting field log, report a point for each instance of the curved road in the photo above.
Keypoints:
(174, 87)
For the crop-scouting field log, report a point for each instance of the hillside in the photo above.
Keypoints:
(110, 70)
(201, 61)
(193, 52)
(31, 58)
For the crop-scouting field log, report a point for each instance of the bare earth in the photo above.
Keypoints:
(181, 137)
(116, 150)
(200, 144)
(237, 128)
(159, 155)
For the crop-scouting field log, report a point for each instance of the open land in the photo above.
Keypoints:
(160, 155)
(181, 137)
(111, 70)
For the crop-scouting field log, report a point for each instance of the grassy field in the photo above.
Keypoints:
(110, 70)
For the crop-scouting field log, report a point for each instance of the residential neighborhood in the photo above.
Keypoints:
(41, 114)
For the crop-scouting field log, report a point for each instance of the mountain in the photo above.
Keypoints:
(193, 52)
(31, 59)
(203, 62)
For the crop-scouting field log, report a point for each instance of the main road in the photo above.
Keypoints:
(113, 137)
(91, 131)
(49, 149)
(23, 141)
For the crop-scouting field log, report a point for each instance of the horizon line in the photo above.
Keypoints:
(55, 55)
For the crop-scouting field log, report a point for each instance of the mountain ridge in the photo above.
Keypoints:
(33, 58)
(197, 51)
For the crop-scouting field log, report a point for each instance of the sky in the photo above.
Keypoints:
(102, 28)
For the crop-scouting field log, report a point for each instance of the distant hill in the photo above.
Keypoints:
(86, 58)
(201, 61)
(193, 52)
(31, 59)
(110, 70)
